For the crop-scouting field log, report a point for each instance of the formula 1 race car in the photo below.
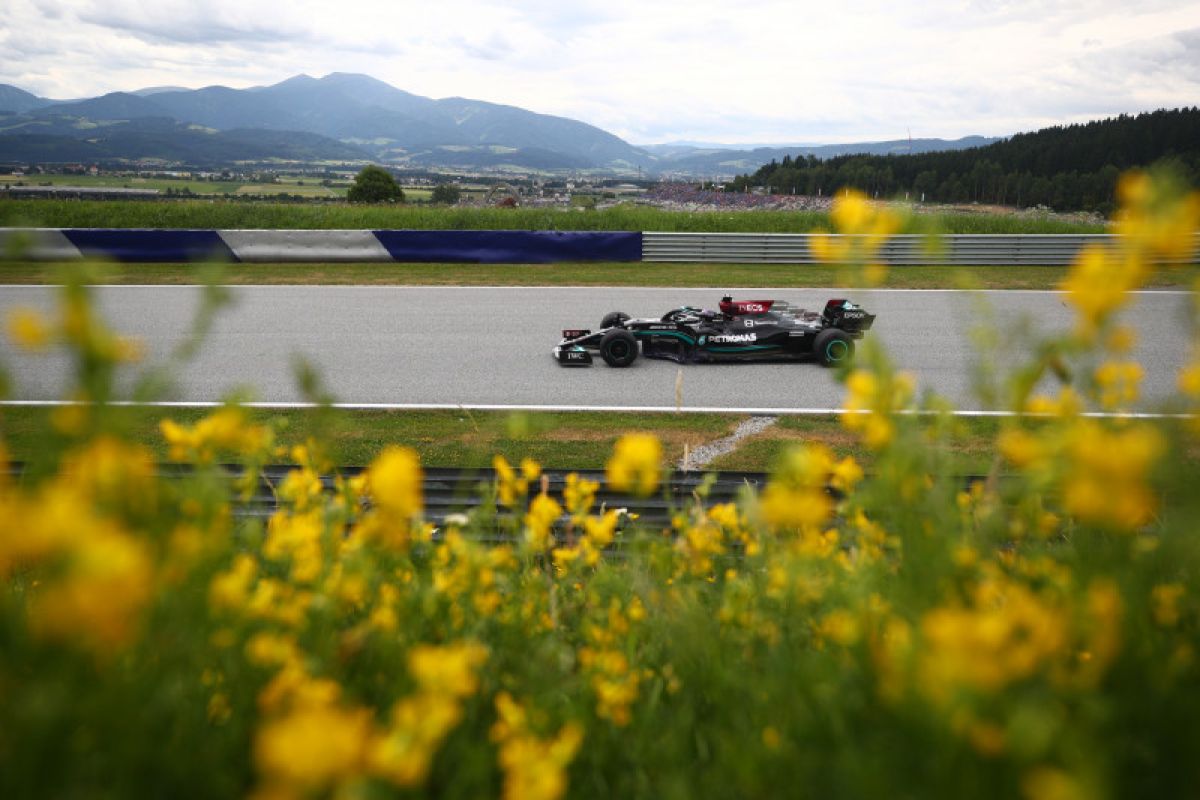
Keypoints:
(743, 330)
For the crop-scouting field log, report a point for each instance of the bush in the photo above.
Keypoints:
(375, 185)
(446, 193)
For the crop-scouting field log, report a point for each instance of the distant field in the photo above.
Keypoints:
(286, 185)
(626, 217)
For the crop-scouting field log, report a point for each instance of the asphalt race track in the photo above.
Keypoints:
(485, 346)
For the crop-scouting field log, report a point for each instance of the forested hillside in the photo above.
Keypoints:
(1072, 167)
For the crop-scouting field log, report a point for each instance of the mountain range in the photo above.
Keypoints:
(356, 118)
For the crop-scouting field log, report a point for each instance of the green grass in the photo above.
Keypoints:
(971, 443)
(625, 217)
(561, 440)
(582, 440)
(783, 276)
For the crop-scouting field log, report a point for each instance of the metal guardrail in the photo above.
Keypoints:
(449, 490)
(284, 246)
(900, 250)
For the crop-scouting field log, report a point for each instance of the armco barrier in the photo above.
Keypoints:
(515, 247)
(905, 249)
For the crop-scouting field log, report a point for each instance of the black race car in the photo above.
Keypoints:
(743, 330)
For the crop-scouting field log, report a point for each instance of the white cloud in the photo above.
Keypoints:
(758, 70)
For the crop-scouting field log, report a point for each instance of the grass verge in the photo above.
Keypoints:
(579, 274)
(624, 217)
(571, 440)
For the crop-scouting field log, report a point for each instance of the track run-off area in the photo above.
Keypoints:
(490, 347)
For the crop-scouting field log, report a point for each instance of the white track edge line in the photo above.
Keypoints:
(580, 288)
(757, 411)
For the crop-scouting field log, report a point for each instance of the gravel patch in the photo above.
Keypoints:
(705, 453)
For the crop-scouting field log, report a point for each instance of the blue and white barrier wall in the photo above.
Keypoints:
(527, 247)
(475, 247)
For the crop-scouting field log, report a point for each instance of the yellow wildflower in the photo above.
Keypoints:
(1098, 285)
(579, 494)
(1118, 383)
(796, 497)
(109, 471)
(29, 330)
(230, 590)
(635, 464)
(870, 403)
(1165, 603)
(1157, 219)
(544, 511)
(395, 481)
(97, 600)
(535, 769)
(225, 430)
(1048, 783)
(449, 669)
(313, 747)
(1106, 484)
(840, 627)
(404, 752)
(1006, 634)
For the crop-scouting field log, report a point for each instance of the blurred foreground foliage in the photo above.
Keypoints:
(1031, 635)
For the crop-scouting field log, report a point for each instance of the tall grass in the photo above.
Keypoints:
(232, 214)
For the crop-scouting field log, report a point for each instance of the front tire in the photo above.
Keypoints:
(833, 347)
(618, 348)
(613, 319)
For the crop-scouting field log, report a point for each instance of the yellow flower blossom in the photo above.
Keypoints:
(97, 600)
(1005, 635)
(1118, 382)
(1048, 783)
(544, 511)
(534, 768)
(297, 538)
(302, 488)
(110, 472)
(269, 649)
(864, 229)
(449, 669)
(1098, 285)
(1165, 603)
(225, 430)
(395, 479)
(870, 403)
(1106, 484)
(511, 485)
(615, 685)
(1189, 380)
(313, 747)
(230, 590)
(29, 330)
(840, 627)
(635, 464)
(1156, 219)
(795, 498)
(578, 495)
(403, 753)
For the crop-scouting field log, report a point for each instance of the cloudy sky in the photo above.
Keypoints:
(650, 71)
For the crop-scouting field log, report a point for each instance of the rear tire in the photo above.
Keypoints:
(613, 319)
(833, 347)
(618, 348)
